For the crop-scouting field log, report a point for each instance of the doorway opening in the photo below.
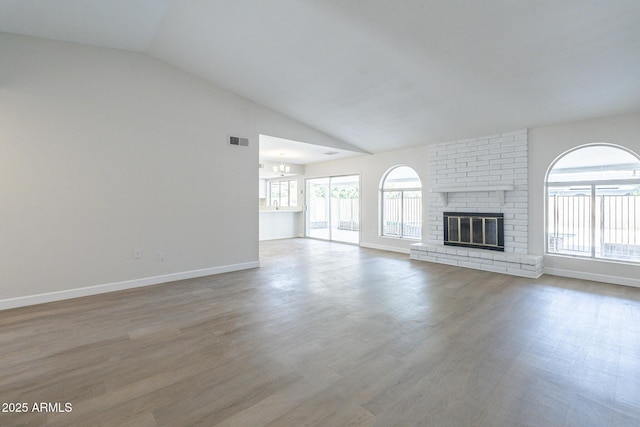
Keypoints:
(333, 208)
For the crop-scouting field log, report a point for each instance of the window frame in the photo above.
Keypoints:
(383, 191)
(280, 183)
(590, 189)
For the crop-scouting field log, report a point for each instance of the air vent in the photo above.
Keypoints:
(330, 153)
(240, 142)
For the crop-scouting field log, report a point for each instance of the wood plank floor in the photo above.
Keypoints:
(331, 335)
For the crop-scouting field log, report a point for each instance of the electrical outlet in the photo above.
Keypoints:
(137, 253)
(161, 256)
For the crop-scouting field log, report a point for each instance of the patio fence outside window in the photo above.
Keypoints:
(593, 203)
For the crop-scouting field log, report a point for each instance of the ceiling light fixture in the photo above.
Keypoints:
(281, 169)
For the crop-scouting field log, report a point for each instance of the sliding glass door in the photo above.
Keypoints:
(318, 210)
(333, 208)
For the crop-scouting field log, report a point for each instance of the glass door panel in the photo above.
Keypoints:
(345, 209)
(317, 221)
(333, 208)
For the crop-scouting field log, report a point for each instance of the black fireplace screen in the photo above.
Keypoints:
(474, 230)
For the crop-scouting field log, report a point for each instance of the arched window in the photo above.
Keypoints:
(593, 203)
(401, 203)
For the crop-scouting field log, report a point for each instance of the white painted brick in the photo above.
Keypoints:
(464, 159)
(446, 181)
(515, 143)
(483, 164)
(457, 175)
(503, 150)
(476, 163)
(528, 260)
(501, 139)
(502, 161)
(499, 257)
(489, 157)
(494, 268)
(515, 271)
(519, 211)
(478, 173)
(504, 264)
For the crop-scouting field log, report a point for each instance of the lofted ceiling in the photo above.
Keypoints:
(379, 74)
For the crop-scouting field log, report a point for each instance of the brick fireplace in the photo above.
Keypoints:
(487, 176)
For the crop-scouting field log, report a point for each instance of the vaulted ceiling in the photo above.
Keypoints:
(378, 74)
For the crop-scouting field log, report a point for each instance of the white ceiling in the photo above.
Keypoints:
(274, 149)
(379, 74)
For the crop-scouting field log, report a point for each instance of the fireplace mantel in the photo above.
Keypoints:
(444, 190)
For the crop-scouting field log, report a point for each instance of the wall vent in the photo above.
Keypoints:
(240, 142)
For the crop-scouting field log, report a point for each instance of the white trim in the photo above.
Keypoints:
(386, 248)
(445, 190)
(470, 188)
(605, 278)
(6, 304)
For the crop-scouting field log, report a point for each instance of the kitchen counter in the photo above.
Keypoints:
(280, 210)
(287, 224)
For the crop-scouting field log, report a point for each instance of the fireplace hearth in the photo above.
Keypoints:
(474, 230)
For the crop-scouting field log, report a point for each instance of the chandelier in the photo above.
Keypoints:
(281, 169)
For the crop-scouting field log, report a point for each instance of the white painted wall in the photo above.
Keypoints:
(105, 151)
(371, 169)
(547, 143)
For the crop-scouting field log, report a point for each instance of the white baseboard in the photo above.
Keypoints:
(6, 304)
(386, 248)
(605, 278)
